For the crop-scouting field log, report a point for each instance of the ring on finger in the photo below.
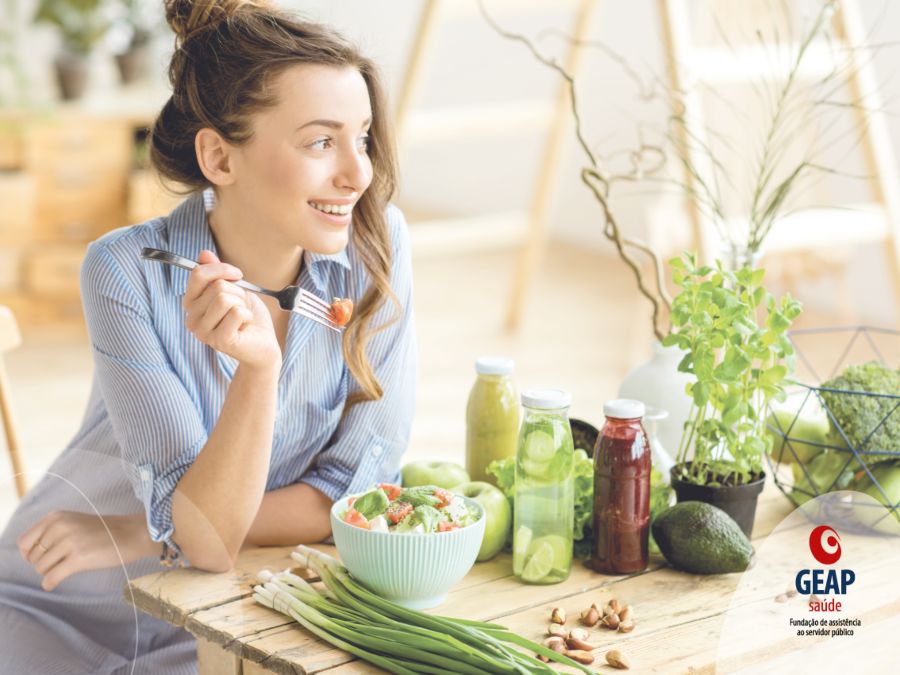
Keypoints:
(43, 548)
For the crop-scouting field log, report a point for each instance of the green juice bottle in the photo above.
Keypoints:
(545, 491)
(492, 417)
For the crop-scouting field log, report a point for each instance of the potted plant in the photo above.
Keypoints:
(82, 24)
(141, 20)
(733, 333)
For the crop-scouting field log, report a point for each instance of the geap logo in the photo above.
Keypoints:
(825, 546)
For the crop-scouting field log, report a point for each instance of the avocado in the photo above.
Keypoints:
(700, 538)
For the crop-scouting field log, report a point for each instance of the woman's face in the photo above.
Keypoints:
(307, 157)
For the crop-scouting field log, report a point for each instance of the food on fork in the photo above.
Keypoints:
(341, 310)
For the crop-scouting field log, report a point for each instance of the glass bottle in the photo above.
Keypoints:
(621, 490)
(492, 417)
(544, 511)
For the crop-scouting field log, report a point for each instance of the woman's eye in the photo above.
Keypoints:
(364, 142)
(321, 144)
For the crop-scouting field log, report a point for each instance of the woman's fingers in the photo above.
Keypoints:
(227, 333)
(69, 565)
(222, 305)
(197, 319)
(52, 556)
(210, 270)
(28, 540)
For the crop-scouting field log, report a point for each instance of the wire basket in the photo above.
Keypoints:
(840, 439)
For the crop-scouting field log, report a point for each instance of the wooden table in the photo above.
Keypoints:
(678, 615)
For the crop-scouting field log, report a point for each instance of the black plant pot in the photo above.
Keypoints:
(133, 64)
(72, 74)
(738, 501)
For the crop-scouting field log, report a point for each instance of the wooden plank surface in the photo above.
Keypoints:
(494, 594)
(672, 608)
(174, 594)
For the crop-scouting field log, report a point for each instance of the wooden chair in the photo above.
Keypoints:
(10, 338)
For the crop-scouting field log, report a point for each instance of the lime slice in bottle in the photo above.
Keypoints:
(521, 545)
(562, 550)
(534, 469)
(539, 446)
(539, 564)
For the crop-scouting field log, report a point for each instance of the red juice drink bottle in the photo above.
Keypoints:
(621, 491)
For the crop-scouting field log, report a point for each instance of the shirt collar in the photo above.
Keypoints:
(317, 264)
(189, 234)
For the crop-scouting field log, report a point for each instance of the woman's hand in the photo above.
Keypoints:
(227, 318)
(65, 542)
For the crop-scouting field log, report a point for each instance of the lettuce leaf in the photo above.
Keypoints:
(372, 504)
(426, 516)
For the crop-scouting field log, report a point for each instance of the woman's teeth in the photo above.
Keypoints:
(335, 209)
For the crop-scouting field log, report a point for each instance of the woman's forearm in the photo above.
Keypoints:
(296, 514)
(217, 499)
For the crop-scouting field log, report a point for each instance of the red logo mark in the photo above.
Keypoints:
(824, 544)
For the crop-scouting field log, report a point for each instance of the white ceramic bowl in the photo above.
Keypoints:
(414, 570)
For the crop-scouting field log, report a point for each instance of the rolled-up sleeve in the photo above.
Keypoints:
(155, 421)
(371, 438)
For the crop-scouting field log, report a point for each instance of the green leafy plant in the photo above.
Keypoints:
(734, 334)
(81, 23)
(142, 19)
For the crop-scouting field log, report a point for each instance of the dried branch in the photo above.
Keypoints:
(599, 183)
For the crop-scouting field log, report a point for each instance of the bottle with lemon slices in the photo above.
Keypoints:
(545, 493)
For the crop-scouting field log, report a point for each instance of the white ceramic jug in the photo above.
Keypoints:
(659, 385)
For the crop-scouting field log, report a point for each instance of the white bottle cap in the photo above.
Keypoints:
(494, 365)
(546, 399)
(624, 408)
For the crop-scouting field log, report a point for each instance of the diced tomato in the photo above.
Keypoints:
(446, 527)
(397, 511)
(355, 518)
(392, 491)
(341, 310)
(444, 495)
(351, 501)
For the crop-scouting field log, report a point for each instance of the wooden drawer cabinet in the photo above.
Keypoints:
(54, 272)
(17, 201)
(77, 206)
(65, 180)
(10, 269)
(10, 145)
(79, 144)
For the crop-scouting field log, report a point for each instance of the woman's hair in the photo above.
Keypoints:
(227, 54)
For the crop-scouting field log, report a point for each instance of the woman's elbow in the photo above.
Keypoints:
(215, 564)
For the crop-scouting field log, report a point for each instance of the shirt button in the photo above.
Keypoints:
(145, 474)
(377, 450)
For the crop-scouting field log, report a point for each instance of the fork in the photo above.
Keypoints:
(290, 298)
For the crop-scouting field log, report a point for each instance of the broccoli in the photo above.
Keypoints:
(859, 415)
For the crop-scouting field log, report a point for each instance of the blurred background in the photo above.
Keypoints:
(510, 255)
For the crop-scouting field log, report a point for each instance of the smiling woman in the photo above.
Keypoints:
(217, 420)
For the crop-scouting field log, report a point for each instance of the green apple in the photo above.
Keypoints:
(442, 474)
(806, 434)
(827, 469)
(888, 477)
(498, 516)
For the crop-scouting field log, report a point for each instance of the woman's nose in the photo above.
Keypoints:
(355, 170)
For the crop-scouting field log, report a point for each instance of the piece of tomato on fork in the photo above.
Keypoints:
(341, 310)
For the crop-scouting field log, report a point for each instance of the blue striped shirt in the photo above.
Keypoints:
(160, 390)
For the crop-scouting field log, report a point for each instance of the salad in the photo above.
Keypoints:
(424, 510)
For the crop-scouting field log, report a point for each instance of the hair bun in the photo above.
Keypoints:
(188, 17)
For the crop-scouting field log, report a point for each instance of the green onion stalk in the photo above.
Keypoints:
(398, 639)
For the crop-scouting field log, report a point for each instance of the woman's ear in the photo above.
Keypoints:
(214, 157)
